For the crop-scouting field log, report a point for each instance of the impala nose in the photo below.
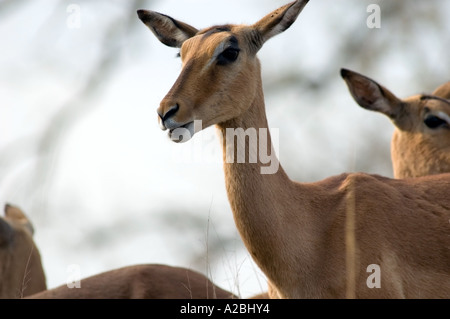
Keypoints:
(164, 116)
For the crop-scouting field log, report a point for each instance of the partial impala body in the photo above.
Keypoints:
(147, 281)
(21, 272)
(312, 240)
(421, 140)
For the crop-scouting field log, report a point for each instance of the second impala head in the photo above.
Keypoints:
(220, 75)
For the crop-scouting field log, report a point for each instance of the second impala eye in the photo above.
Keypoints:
(228, 56)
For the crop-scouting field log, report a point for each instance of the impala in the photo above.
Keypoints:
(421, 139)
(146, 281)
(312, 240)
(21, 272)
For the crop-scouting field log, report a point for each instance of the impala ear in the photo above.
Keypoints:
(278, 21)
(168, 30)
(372, 96)
(443, 91)
(16, 215)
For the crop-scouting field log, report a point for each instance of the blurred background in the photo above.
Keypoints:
(82, 154)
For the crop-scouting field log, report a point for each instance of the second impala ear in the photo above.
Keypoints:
(443, 91)
(279, 20)
(15, 215)
(370, 95)
(168, 30)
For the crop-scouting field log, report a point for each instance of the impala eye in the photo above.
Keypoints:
(228, 56)
(433, 121)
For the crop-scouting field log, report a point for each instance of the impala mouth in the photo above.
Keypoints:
(182, 133)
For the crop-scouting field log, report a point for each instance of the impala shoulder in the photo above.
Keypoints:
(343, 181)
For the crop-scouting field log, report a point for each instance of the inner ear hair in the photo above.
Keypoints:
(169, 31)
(278, 20)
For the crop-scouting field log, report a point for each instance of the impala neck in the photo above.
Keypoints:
(256, 198)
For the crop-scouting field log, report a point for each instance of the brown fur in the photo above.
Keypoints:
(416, 149)
(148, 281)
(21, 272)
(297, 232)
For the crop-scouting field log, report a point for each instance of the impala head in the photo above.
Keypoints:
(421, 140)
(220, 74)
(21, 271)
